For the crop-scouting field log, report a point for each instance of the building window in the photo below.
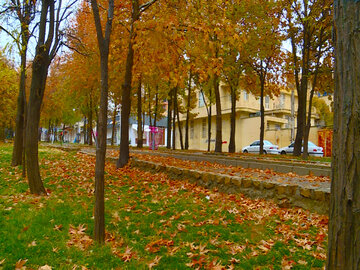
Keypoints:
(267, 102)
(246, 95)
(201, 100)
(192, 129)
(203, 130)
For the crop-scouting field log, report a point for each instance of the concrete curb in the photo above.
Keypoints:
(308, 197)
(277, 166)
(286, 195)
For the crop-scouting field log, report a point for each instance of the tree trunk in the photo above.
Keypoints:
(85, 131)
(99, 230)
(113, 125)
(169, 116)
(308, 124)
(344, 217)
(302, 90)
(208, 110)
(305, 154)
(139, 116)
(126, 93)
(232, 120)
(188, 114)
(24, 141)
(179, 123)
(90, 124)
(39, 74)
(218, 140)
(262, 114)
(103, 42)
(150, 118)
(17, 154)
(174, 119)
(156, 104)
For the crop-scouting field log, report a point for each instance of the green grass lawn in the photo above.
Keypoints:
(151, 222)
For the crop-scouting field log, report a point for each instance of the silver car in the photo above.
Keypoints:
(313, 150)
(269, 148)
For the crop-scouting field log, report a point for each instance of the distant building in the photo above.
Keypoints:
(280, 123)
(160, 137)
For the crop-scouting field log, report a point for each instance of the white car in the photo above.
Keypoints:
(269, 148)
(313, 150)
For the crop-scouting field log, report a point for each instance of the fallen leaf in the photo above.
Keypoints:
(154, 262)
(45, 267)
(20, 264)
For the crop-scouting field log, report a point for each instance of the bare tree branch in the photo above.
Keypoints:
(145, 6)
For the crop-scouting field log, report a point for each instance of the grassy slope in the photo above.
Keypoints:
(151, 221)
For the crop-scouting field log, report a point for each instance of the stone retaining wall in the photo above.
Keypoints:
(313, 199)
(278, 166)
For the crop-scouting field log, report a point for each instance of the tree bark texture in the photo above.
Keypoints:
(126, 93)
(169, 117)
(308, 123)
(262, 114)
(39, 74)
(179, 123)
(174, 119)
(301, 87)
(139, 116)
(17, 154)
(218, 139)
(188, 114)
(156, 104)
(24, 12)
(103, 42)
(113, 124)
(209, 120)
(232, 120)
(344, 225)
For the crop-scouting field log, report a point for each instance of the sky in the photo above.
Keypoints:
(12, 24)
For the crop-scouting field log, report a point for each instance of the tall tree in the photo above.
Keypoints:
(104, 43)
(8, 89)
(47, 46)
(322, 65)
(139, 117)
(344, 218)
(302, 20)
(25, 14)
(136, 12)
(262, 54)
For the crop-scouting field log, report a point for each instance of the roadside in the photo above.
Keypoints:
(260, 178)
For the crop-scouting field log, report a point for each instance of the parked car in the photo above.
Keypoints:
(313, 150)
(269, 148)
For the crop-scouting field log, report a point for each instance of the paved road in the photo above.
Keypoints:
(246, 161)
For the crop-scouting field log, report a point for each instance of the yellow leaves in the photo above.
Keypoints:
(265, 246)
(155, 246)
(58, 227)
(32, 244)
(45, 267)
(20, 264)
(78, 237)
(154, 262)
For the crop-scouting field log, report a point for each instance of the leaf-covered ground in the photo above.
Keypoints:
(151, 222)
